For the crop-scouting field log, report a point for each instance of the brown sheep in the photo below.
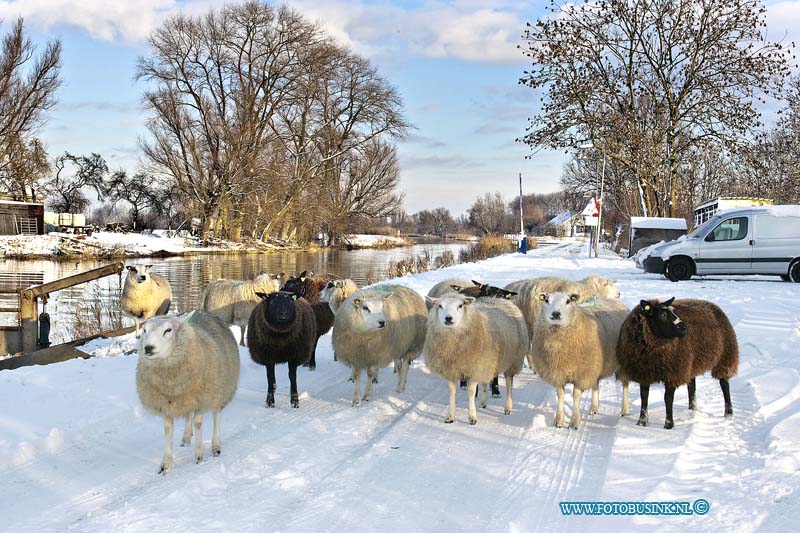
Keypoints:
(673, 342)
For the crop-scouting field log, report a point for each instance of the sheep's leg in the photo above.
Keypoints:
(187, 431)
(472, 388)
(484, 395)
(405, 362)
(726, 393)
(198, 436)
(242, 329)
(216, 441)
(595, 399)
(270, 385)
(575, 421)
(496, 387)
(559, 420)
(166, 462)
(371, 370)
(357, 384)
(509, 387)
(692, 398)
(312, 361)
(626, 404)
(644, 393)
(451, 414)
(293, 397)
(352, 377)
(669, 396)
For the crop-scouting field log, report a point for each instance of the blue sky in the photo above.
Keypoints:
(454, 62)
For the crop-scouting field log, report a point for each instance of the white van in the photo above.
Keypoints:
(747, 240)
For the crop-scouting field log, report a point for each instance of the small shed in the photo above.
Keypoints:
(650, 230)
(565, 224)
(21, 218)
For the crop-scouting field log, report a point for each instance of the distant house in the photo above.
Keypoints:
(645, 231)
(21, 218)
(708, 208)
(566, 224)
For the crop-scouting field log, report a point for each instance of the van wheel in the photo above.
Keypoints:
(678, 269)
(785, 277)
(794, 271)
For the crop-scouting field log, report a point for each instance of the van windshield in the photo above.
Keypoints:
(705, 225)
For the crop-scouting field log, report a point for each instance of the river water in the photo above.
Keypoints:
(78, 309)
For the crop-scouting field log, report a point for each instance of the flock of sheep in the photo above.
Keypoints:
(571, 332)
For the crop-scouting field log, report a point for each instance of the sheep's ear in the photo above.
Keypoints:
(509, 294)
(468, 300)
(477, 284)
(148, 267)
(646, 307)
(432, 301)
(338, 283)
(302, 276)
(668, 302)
(262, 295)
(542, 297)
(574, 297)
(357, 302)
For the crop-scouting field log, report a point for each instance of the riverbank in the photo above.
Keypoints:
(110, 245)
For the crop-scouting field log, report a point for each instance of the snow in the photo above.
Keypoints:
(658, 223)
(783, 210)
(81, 454)
(362, 240)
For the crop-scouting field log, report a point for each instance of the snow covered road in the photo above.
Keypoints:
(81, 454)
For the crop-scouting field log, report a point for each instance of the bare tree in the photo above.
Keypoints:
(27, 167)
(28, 84)
(651, 80)
(74, 176)
(137, 192)
(488, 214)
(438, 221)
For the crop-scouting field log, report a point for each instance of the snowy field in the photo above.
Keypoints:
(80, 453)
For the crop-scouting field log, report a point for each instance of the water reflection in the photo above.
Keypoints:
(189, 275)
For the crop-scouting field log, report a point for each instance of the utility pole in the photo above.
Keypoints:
(600, 206)
(521, 223)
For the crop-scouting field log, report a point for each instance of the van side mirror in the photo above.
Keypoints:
(710, 237)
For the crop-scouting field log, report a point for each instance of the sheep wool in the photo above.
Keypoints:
(475, 340)
(578, 345)
(232, 301)
(375, 326)
(145, 294)
(707, 344)
(188, 365)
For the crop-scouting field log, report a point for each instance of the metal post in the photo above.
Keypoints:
(521, 223)
(600, 206)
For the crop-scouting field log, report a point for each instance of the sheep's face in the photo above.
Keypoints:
(327, 291)
(138, 273)
(662, 319)
(296, 285)
(371, 312)
(557, 307)
(450, 310)
(158, 339)
(280, 307)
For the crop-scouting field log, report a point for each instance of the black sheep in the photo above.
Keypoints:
(308, 288)
(673, 342)
(282, 329)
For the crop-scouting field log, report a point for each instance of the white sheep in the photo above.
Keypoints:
(577, 344)
(528, 291)
(475, 340)
(232, 301)
(375, 326)
(145, 294)
(188, 365)
(337, 291)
